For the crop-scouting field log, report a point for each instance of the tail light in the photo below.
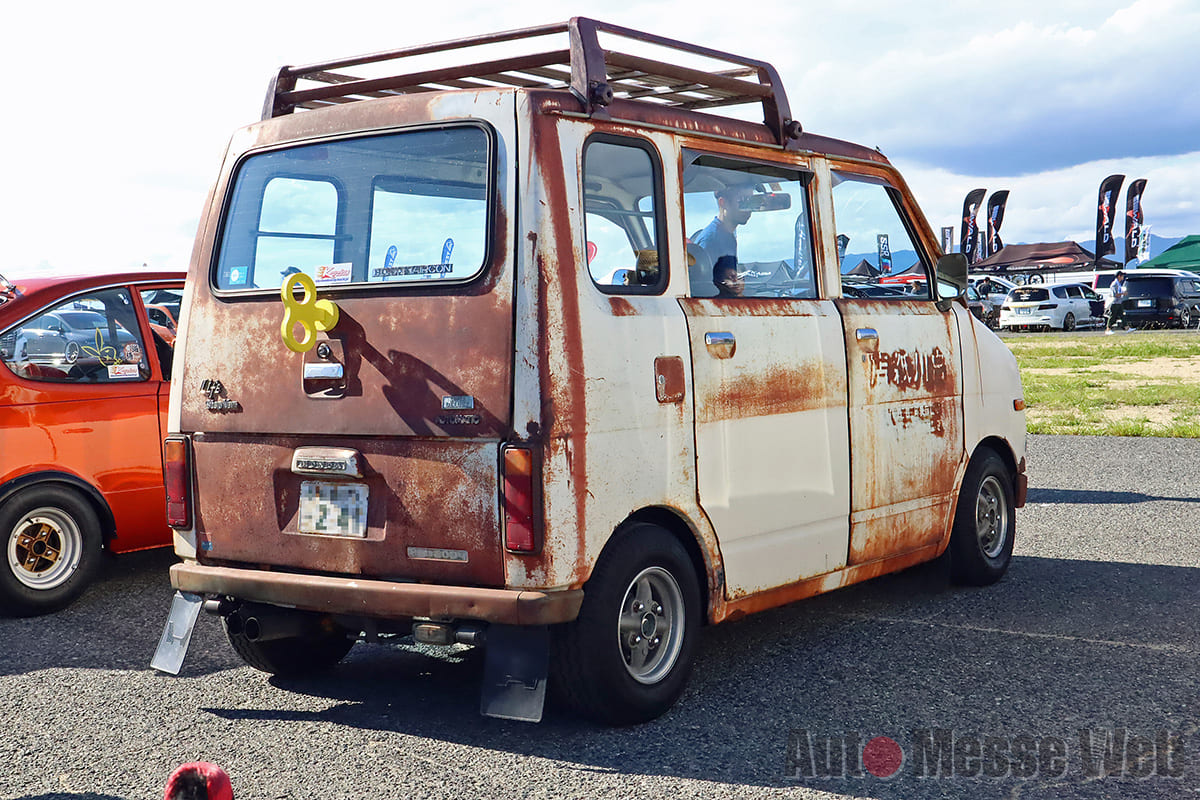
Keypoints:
(177, 473)
(518, 484)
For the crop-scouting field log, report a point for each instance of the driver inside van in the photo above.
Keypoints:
(719, 237)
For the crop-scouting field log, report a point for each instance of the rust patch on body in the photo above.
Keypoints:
(622, 307)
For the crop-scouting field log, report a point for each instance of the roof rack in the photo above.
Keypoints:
(595, 75)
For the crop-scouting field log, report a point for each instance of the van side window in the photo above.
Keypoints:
(878, 257)
(748, 228)
(93, 338)
(622, 222)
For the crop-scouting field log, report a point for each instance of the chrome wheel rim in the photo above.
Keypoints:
(44, 548)
(991, 517)
(651, 625)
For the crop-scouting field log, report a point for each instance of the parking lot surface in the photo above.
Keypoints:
(1075, 677)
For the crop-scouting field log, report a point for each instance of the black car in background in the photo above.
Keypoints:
(1162, 301)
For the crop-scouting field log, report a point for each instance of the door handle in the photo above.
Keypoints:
(866, 333)
(720, 343)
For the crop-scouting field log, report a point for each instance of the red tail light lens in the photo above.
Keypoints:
(519, 534)
(177, 472)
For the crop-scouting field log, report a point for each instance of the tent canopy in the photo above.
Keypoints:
(1042, 257)
(1184, 254)
(863, 268)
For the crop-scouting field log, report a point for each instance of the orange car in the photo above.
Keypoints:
(83, 408)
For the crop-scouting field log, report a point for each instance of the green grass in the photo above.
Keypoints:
(1089, 384)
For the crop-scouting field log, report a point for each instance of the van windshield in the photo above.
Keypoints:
(406, 208)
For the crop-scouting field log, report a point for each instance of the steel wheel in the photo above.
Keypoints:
(651, 626)
(627, 657)
(991, 517)
(45, 548)
(981, 543)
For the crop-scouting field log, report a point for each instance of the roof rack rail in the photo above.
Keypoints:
(595, 75)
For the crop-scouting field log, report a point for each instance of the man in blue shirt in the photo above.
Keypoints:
(719, 237)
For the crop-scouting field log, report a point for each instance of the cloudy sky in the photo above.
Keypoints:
(124, 108)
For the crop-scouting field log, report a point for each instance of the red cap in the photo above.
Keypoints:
(214, 779)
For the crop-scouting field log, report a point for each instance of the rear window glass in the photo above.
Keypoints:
(1029, 294)
(407, 208)
(1149, 287)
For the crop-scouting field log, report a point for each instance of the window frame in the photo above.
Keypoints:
(660, 212)
(737, 162)
(491, 200)
(882, 179)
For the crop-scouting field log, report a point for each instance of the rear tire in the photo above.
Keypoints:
(981, 542)
(1069, 322)
(293, 656)
(51, 543)
(627, 657)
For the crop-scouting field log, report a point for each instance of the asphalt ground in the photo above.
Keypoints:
(1074, 677)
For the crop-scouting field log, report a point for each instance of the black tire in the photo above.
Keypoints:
(644, 588)
(51, 543)
(1185, 318)
(72, 352)
(293, 656)
(981, 543)
(1069, 322)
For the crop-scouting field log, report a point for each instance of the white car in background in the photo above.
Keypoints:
(991, 288)
(1063, 306)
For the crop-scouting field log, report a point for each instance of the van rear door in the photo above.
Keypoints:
(370, 448)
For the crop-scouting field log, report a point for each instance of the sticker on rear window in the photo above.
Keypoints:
(234, 276)
(334, 273)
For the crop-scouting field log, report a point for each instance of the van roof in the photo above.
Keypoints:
(594, 75)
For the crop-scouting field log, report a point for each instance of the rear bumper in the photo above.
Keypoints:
(379, 599)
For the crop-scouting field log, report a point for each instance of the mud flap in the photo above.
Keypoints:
(514, 673)
(177, 634)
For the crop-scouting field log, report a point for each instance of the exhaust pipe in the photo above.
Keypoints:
(267, 623)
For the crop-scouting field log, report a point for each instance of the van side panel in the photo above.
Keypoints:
(611, 447)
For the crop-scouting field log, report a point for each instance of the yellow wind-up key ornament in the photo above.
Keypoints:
(309, 313)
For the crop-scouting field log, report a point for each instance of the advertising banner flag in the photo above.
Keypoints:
(970, 232)
(1133, 219)
(1144, 245)
(947, 238)
(995, 215)
(843, 241)
(1110, 187)
(885, 254)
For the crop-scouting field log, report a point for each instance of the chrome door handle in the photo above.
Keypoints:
(866, 333)
(720, 343)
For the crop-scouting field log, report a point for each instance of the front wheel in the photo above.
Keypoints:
(627, 657)
(52, 548)
(981, 542)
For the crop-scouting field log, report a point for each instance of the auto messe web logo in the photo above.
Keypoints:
(945, 753)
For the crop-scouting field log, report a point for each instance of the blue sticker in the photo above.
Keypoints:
(447, 248)
(390, 258)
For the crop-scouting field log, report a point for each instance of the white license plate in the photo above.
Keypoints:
(1025, 311)
(1145, 303)
(334, 509)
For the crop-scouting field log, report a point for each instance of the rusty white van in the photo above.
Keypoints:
(545, 353)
